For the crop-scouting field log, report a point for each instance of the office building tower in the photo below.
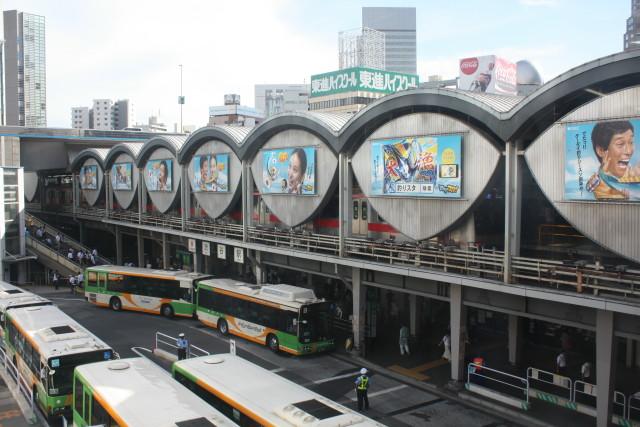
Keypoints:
(632, 35)
(234, 114)
(122, 114)
(399, 27)
(104, 115)
(362, 47)
(25, 69)
(80, 118)
(284, 98)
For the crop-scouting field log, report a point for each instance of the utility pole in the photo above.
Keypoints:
(180, 98)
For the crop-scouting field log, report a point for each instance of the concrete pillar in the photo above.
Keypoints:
(165, 252)
(638, 354)
(512, 205)
(458, 332)
(258, 270)
(142, 195)
(140, 245)
(185, 198)
(247, 199)
(82, 230)
(74, 193)
(345, 207)
(197, 258)
(629, 354)
(118, 246)
(515, 343)
(605, 366)
(359, 302)
(414, 315)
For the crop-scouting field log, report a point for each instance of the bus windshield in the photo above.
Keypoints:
(315, 323)
(61, 369)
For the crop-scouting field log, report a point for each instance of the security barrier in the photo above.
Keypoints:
(501, 386)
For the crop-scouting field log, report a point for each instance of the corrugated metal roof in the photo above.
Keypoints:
(499, 103)
(100, 152)
(237, 133)
(134, 147)
(176, 140)
(334, 121)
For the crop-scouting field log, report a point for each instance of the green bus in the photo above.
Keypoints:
(169, 293)
(283, 317)
(46, 345)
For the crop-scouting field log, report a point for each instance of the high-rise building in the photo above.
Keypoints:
(234, 114)
(362, 47)
(284, 98)
(25, 69)
(632, 35)
(104, 115)
(80, 118)
(399, 27)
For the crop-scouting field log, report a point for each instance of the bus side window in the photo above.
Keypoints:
(79, 393)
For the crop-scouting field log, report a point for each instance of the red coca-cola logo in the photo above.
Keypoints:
(469, 66)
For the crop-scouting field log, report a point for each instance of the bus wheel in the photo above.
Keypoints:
(167, 311)
(115, 304)
(223, 327)
(272, 343)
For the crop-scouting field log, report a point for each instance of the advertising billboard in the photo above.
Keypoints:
(289, 171)
(158, 175)
(488, 74)
(601, 162)
(121, 176)
(210, 173)
(361, 79)
(89, 177)
(419, 166)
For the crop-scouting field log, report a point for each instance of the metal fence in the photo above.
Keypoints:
(164, 340)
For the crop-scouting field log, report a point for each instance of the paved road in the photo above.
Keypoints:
(392, 402)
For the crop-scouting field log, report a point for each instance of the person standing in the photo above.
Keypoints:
(183, 345)
(56, 278)
(446, 342)
(561, 364)
(58, 240)
(585, 372)
(362, 388)
(72, 284)
(70, 254)
(404, 340)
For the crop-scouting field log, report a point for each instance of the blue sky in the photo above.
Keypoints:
(132, 48)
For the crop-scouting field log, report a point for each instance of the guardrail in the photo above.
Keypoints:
(168, 340)
(508, 388)
(477, 262)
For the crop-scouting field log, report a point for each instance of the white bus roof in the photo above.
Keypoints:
(286, 295)
(54, 333)
(142, 394)
(149, 272)
(12, 296)
(271, 397)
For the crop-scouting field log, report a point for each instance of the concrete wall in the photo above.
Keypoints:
(91, 196)
(602, 222)
(161, 199)
(216, 204)
(420, 218)
(293, 210)
(125, 197)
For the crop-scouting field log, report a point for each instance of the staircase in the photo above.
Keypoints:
(54, 256)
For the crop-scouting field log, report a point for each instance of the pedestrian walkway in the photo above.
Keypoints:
(10, 414)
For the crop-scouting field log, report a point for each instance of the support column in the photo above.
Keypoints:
(140, 244)
(414, 315)
(359, 297)
(142, 195)
(512, 205)
(247, 200)
(605, 366)
(185, 198)
(629, 355)
(74, 193)
(197, 258)
(108, 204)
(514, 339)
(165, 252)
(345, 176)
(458, 332)
(118, 246)
(258, 270)
(638, 354)
(81, 229)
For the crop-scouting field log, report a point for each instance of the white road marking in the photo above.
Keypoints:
(276, 370)
(135, 350)
(337, 377)
(381, 392)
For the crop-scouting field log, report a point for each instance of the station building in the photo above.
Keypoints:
(511, 239)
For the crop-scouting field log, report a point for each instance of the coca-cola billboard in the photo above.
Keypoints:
(488, 74)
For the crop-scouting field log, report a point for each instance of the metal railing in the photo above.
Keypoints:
(477, 262)
(486, 377)
(633, 407)
(552, 381)
(53, 254)
(169, 341)
(14, 374)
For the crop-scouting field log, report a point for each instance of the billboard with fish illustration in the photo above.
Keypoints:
(417, 166)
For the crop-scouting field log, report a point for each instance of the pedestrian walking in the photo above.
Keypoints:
(362, 388)
(58, 240)
(70, 254)
(404, 340)
(183, 345)
(93, 259)
(56, 278)
(446, 342)
(561, 364)
(72, 284)
(80, 256)
(94, 252)
(80, 279)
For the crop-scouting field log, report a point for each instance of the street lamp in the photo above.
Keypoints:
(180, 98)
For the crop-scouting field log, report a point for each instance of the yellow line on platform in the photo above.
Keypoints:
(409, 373)
(430, 365)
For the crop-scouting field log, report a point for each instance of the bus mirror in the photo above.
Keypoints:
(52, 372)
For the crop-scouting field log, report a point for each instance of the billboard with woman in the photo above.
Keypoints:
(121, 176)
(210, 173)
(158, 174)
(289, 171)
(89, 177)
